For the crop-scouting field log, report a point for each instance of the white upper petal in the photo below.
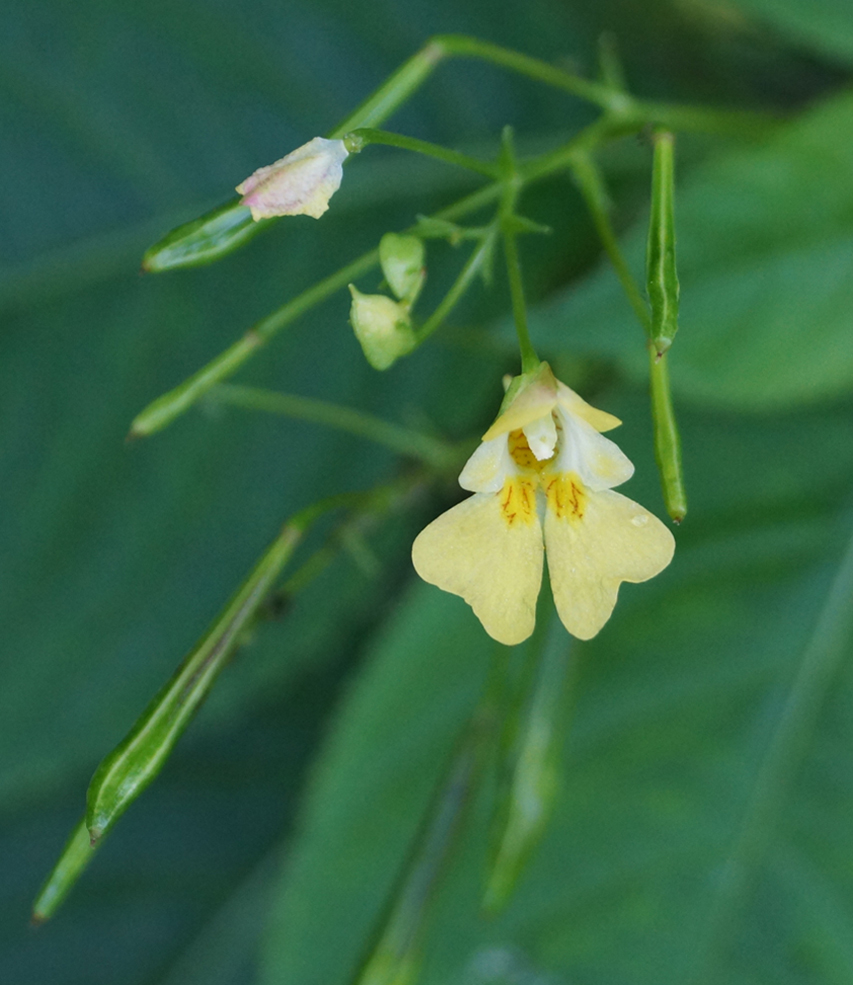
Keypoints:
(598, 462)
(487, 469)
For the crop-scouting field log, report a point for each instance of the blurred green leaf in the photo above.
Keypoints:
(764, 242)
(822, 25)
(681, 703)
(118, 122)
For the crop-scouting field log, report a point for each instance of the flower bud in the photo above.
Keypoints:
(402, 259)
(382, 326)
(300, 184)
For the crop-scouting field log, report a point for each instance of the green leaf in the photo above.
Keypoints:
(723, 677)
(823, 25)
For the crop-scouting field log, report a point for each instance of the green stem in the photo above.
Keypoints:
(588, 179)
(662, 289)
(610, 65)
(604, 129)
(667, 438)
(473, 265)
(529, 359)
(162, 411)
(357, 140)
(230, 226)
(395, 90)
(508, 221)
(167, 407)
(460, 45)
(412, 444)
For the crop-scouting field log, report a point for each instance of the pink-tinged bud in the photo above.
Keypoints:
(300, 184)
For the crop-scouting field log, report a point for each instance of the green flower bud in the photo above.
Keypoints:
(402, 259)
(382, 326)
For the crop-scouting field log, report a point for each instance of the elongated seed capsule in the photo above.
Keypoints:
(661, 274)
(137, 760)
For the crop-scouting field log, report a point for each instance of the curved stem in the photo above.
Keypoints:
(473, 265)
(588, 179)
(357, 140)
(461, 45)
(404, 441)
(529, 359)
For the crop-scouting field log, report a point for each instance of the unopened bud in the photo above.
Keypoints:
(300, 184)
(382, 326)
(402, 259)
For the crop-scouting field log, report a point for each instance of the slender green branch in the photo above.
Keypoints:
(404, 441)
(667, 438)
(604, 129)
(162, 411)
(509, 223)
(167, 407)
(230, 226)
(588, 179)
(529, 358)
(610, 65)
(662, 288)
(474, 265)
(396, 90)
(357, 140)
(534, 68)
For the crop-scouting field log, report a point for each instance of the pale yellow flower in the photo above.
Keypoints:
(300, 184)
(542, 480)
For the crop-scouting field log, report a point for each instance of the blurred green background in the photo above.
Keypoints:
(703, 829)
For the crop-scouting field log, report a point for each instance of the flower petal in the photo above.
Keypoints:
(574, 404)
(488, 468)
(472, 550)
(601, 540)
(535, 398)
(299, 184)
(600, 463)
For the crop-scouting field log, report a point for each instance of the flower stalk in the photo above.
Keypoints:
(509, 231)
(663, 290)
(433, 452)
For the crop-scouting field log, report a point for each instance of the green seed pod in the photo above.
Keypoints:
(402, 259)
(382, 326)
(203, 240)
